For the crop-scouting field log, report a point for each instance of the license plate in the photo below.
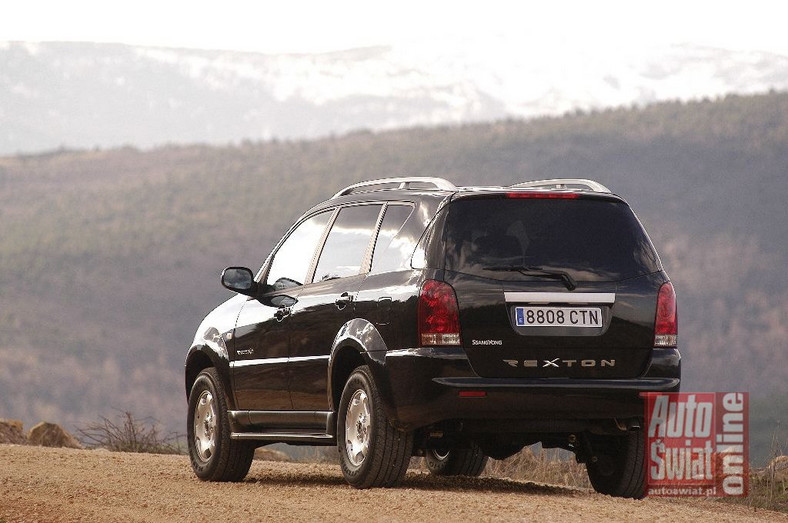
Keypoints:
(558, 316)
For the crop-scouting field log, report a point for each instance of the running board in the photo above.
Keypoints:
(285, 420)
(286, 437)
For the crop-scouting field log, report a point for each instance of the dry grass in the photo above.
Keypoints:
(768, 490)
(129, 434)
(769, 485)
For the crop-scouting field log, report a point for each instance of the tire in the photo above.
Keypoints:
(372, 453)
(456, 462)
(620, 469)
(214, 456)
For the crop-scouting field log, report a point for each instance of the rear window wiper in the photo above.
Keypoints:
(538, 272)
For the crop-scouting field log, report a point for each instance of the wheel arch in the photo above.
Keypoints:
(344, 361)
(201, 357)
(357, 343)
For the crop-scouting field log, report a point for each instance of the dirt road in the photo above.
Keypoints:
(42, 484)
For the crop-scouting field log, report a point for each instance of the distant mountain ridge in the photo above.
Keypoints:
(83, 95)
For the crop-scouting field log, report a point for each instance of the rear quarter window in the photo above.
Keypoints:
(591, 239)
(346, 246)
(392, 249)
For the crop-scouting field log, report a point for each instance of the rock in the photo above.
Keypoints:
(779, 467)
(11, 432)
(51, 435)
(776, 470)
(265, 454)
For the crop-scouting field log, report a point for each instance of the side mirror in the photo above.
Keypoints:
(240, 280)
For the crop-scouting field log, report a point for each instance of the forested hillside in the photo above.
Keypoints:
(110, 259)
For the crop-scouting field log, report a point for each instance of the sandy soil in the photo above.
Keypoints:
(43, 484)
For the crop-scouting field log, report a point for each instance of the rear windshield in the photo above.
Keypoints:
(591, 239)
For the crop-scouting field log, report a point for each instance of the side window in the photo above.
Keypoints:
(347, 243)
(393, 252)
(294, 257)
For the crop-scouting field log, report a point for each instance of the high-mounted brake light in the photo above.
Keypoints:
(544, 195)
(439, 317)
(666, 324)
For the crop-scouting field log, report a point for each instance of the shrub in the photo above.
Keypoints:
(129, 434)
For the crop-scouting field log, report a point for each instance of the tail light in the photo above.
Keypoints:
(439, 317)
(666, 325)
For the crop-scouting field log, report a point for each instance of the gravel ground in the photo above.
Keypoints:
(42, 484)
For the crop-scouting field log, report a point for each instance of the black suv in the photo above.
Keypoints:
(407, 316)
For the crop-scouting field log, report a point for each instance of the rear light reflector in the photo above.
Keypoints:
(666, 324)
(544, 195)
(472, 394)
(439, 317)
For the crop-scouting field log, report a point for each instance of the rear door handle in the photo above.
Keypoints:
(343, 301)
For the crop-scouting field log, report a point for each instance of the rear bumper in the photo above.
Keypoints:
(429, 385)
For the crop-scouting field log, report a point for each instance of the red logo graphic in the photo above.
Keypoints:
(696, 444)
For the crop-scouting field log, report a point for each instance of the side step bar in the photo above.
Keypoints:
(284, 419)
(285, 426)
(286, 437)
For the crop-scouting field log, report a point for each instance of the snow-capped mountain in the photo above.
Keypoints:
(87, 95)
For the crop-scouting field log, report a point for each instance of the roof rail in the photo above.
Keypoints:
(565, 183)
(383, 184)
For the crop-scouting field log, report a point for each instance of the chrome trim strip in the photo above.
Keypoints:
(560, 297)
(251, 363)
(275, 361)
(299, 359)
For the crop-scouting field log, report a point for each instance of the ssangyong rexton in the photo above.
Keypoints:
(407, 316)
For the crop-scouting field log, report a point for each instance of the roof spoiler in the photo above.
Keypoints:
(564, 183)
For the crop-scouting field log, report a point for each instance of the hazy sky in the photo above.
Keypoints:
(329, 25)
